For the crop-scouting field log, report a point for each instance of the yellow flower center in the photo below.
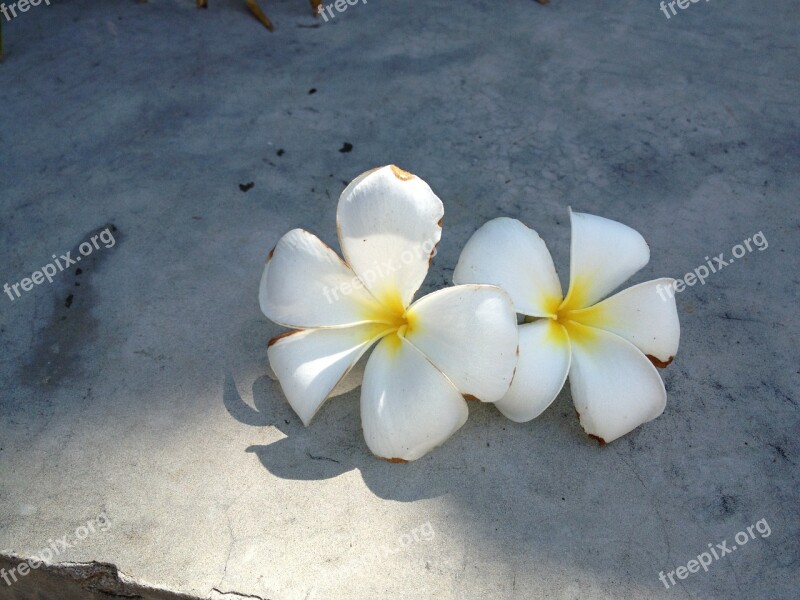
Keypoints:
(392, 313)
(570, 316)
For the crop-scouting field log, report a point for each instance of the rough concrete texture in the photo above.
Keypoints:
(137, 386)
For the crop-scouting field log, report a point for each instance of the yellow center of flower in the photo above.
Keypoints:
(569, 314)
(393, 314)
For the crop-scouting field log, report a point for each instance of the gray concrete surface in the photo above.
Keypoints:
(138, 387)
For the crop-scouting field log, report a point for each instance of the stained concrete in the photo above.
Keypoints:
(138, 387)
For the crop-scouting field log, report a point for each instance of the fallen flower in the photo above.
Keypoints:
(607, 348)
(456, 342)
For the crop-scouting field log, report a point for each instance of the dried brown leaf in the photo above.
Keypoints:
(259, 14)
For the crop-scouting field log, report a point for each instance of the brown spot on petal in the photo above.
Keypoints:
(341, 260)
(278, 338)
(397, 461)
(271, 252)
(439, 223)
(470, 398)
(433, 253)
(339, 233)
(514, 372)
(660, 363)
(592, 436)
(597, 438)
(401, 174)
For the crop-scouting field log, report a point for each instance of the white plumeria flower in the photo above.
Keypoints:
(607, 348)
(430, 354)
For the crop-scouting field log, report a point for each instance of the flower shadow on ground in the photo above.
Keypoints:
(334, 444)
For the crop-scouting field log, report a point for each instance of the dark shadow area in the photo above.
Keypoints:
(58, 353)
(333, 444)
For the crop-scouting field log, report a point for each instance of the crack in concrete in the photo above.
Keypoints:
(234, 595)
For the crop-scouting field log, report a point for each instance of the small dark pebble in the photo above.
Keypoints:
(78, 271)
(347, 147)
(246, 187)
(312, 91)
(280, 152)
(68, 302)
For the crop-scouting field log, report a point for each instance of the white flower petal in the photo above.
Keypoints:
(644, 314)
(604, 254)
(305, 284)
(470, 333)
(614, 387)
(408, 407)
(262, 287)
(544, 359)
(309, 364)
(389, 225)
(506, 253)
(352, 378)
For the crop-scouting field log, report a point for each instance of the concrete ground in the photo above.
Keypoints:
(137, 422)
